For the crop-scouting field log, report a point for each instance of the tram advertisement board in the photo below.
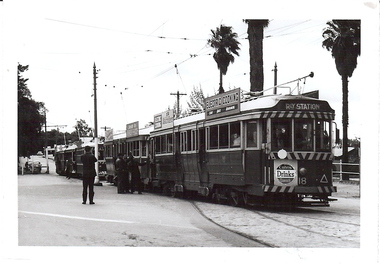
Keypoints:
(285, 172)
(163, 118)
(132, 129)
(109, 135)
(223, 104)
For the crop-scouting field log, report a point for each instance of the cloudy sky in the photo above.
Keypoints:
(135, 49)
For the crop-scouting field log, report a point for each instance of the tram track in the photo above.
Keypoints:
(301, 227)
(247, 236)
(280, 217)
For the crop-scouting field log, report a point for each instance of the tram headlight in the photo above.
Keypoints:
(302, 171)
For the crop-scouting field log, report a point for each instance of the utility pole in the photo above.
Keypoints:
(46, 149)
(96, 182)
(275, 78)
(178, 94)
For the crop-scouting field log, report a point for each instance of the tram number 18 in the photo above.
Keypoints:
(302, 181)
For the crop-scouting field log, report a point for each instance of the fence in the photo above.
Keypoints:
(352, 169)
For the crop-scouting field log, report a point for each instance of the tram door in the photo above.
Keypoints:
(202, 159)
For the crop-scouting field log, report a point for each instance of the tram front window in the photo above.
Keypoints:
(322, 136)
(303, 135)
(281, 134)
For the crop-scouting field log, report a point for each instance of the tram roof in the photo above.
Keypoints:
(142, 132)
(261, 104)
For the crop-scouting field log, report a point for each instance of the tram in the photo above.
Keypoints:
(134, 140)
(68, 160)
(267, 150)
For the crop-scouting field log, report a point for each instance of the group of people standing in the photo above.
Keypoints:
(125, 166)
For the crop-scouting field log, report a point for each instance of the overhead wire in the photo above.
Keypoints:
(124, 31)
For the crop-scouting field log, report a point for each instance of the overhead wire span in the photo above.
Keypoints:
(123, 31)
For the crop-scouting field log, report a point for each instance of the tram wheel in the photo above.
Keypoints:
(234, 198)
(216, 197)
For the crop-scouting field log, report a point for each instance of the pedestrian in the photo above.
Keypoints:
(121, 169)
(133, 166)
(69, 168)
(89, 173)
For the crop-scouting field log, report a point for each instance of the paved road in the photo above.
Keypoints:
(50, 213)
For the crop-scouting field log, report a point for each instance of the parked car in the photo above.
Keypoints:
(39, 153)
(33, 167)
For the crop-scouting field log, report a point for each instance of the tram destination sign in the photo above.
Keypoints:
(223, 104)
(313, 106)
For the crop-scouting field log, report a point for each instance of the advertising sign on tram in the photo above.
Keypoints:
(132, 129)
(285, 172)
(223, 104)
(163, 118)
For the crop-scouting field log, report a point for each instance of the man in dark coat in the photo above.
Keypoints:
(89, 173)
(122, 174)
(133, 166)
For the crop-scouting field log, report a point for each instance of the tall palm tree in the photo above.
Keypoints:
(255, 37)
(342, 38)
(225, 42)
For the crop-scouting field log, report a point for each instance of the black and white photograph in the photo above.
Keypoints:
(166, 132)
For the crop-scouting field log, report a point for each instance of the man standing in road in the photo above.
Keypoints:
(135, 172)
(89, 173)
(122, 174)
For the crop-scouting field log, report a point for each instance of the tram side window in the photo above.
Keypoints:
(235, 139)
(170, 143)
(281, 134)
(303, 130)
(194, 142)
(158, 144)
(223, 136)
(144, 147)
(252, 134)
(213, 137)
(183, 141)
(136, 148)
(322, 136)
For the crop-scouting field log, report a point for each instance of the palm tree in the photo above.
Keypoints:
(342, 38)
(224, 41)
(255, 37)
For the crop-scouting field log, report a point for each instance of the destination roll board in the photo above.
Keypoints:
(307, 105)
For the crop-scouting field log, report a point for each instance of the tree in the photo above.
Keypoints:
(342, 38)
(83, 129)
(255, 37)
(224, 41)
(31, 117)
(197, 99)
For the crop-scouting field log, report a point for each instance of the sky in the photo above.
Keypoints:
(141, 60)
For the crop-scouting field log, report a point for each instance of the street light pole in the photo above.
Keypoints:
(96, 182)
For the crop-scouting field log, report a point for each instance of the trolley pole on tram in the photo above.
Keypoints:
(275, 78)
(96, 182)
